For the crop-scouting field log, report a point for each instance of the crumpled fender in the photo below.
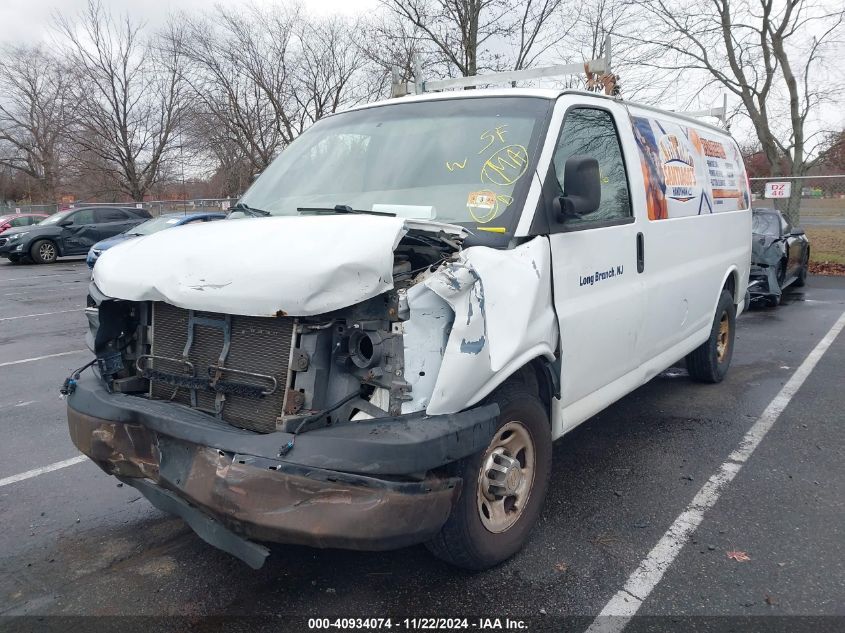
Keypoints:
(503, 316)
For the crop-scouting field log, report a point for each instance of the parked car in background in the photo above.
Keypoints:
(148, 228)
(70, 232)
(780, 256)
(18, 220)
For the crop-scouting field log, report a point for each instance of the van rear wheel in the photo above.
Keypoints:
(503, 486)
(711, 360)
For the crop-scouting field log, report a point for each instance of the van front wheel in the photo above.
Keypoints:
(711, 360)
(503, 486)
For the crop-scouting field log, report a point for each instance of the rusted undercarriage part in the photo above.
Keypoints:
(229, 498)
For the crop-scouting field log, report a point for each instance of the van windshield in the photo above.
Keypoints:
(462, 160)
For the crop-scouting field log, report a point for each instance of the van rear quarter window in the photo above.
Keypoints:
(688, 171)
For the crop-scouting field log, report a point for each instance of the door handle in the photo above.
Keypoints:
(640, 253)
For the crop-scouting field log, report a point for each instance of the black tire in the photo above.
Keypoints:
(802, 274)
(43, 252)
(773, 301)
(711, 360)
(464, 541)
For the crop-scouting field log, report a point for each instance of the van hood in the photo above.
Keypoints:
(274, 266)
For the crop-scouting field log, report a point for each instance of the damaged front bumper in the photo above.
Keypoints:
(371, 485)
(763, 282)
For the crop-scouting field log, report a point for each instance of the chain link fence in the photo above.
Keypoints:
(155, 207)
(820, 203)
(818, 199)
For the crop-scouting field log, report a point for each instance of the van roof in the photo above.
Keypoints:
(544, 93)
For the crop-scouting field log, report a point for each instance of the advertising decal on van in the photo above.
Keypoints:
(687, 174)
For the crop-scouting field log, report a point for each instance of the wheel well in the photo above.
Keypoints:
(730, 284)
(44, 239)
(537, 375)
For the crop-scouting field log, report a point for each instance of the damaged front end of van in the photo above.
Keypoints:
(320, 391)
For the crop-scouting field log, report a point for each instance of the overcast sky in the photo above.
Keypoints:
(29, 20)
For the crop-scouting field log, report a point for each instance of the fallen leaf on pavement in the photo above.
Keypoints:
(770, 600)
(561, 567)
(738, 556)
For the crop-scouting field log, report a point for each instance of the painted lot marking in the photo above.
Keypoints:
(27, 316)
(627, 601)
(30, 360)
(44, 469)
(35, 277)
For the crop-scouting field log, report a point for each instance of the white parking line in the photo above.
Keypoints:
(69, 273)
(27, 316)
(44, 469)
(30, 360)
(624, 605)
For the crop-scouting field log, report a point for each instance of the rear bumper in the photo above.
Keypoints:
(200, 471)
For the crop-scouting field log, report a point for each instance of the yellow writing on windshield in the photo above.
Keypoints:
(490, 136)
(505, 166)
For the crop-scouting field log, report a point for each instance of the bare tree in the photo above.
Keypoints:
(392, 44)
(329, 69)
(34, 116)
(259, 77)
(129, 96)
(766, 53)
(457, 29)
(539, 26)
(240, 70)
(832, 156)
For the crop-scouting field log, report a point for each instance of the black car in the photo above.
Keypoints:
(780, 256)
(70, 232)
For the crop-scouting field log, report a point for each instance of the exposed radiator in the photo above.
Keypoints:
(249, 392)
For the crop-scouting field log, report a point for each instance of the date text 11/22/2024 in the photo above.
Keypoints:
(417, 624)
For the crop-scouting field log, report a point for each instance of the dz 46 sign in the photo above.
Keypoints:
(778, 189)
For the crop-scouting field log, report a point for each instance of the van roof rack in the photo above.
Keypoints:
(595, 69)
(599, 66)
(720, 113)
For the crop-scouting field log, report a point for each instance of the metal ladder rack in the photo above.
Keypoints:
(599, 67)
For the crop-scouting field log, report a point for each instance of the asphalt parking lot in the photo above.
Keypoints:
(75, 543)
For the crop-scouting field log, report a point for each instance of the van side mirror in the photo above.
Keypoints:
(65, 223)
(582, 188)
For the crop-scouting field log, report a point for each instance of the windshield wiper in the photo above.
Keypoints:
(340, 209)
(257, 213)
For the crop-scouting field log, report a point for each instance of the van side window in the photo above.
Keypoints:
(593, 132)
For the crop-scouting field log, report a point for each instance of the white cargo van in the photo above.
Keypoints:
(443, 285)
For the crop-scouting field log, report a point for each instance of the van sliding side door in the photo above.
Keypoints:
(598, 292)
